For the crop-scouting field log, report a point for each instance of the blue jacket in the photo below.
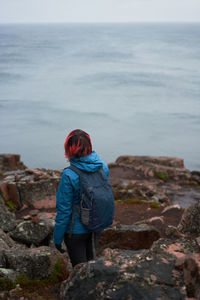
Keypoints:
(68, 192)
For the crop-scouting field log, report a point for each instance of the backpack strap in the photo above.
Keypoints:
(76, 170)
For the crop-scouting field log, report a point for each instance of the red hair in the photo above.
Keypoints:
(77, 144)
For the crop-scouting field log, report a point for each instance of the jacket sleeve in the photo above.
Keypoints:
(63, 207)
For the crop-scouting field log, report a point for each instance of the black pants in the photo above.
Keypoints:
(80, 247)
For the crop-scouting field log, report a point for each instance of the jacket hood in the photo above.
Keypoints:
(90, 163)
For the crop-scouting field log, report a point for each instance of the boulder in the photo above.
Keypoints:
(35, 188)
(10, 162)
(190, 221)
(39, 194)
(29, 233)
(35, 263)
(131, 237)
(8, 273)
(141, 167)
(7, 221)
(126, 275)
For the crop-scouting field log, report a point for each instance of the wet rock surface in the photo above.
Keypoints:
(160, 179)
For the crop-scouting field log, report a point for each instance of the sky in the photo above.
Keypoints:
(78, 11)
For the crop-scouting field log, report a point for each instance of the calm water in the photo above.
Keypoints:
(134, 87)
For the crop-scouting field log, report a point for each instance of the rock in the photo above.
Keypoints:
(35, 263)
(8, 273)
(156, 221)
(141, 167)
(190, 221)
(6, 242)
(195, 176)
(192, 274)
(47, 216)
(7, 221)
(129, 237)
(172, 209)
(10, 162)
(33, 187)
(39, 194)
(99, 280)
(171, 231)
(125, 275)
(10, 193)
(158, 160)
(2, 259)
(30, 233)
(27, 218)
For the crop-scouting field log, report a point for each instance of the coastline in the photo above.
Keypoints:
(150, 232)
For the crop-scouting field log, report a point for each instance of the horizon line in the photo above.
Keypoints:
(101, 22)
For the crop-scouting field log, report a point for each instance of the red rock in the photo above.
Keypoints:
(175, 249)
(164, 260)
(9, 162)
(159, 160)
(28, 217)
(13, 195)
(172, 209)
(49, 202)
(10, 193)
(156, 221)
(40, 194)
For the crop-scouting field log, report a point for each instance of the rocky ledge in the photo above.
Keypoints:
(153, 256)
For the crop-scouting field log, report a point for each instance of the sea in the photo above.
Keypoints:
(135, 88)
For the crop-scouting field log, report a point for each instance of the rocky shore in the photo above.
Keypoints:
(152, 251)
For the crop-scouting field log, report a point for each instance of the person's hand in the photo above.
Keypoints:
(59, 247)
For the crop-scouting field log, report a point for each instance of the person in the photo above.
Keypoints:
(68, 227)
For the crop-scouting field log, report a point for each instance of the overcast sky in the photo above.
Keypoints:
(20, 11)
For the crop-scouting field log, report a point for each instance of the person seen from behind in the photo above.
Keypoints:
(81, 240)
